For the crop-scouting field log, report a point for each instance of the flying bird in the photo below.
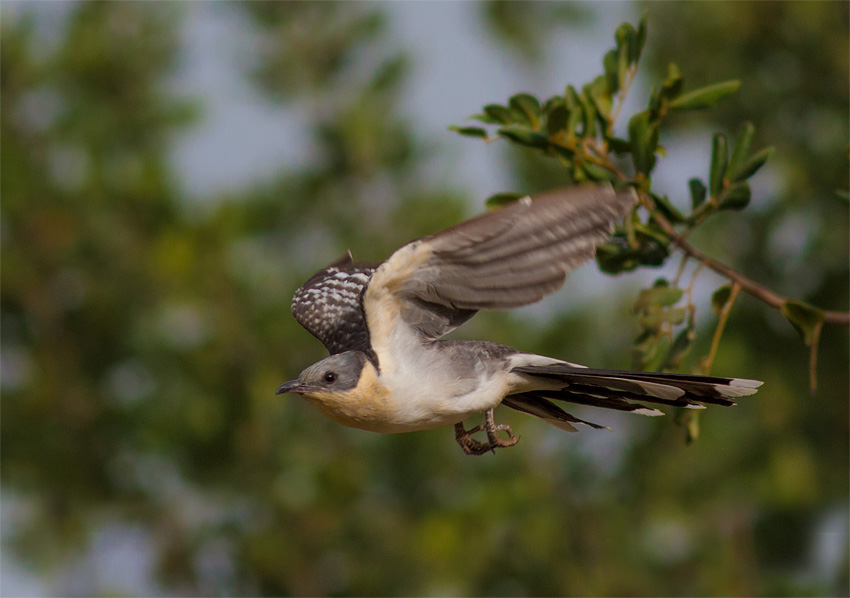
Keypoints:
(389, 371)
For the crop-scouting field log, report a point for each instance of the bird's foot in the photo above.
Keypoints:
(471, 446)
(491, 427)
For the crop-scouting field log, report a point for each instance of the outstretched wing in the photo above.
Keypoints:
(328, 306)
(499, 260)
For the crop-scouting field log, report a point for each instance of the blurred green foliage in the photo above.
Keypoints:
(143, 335)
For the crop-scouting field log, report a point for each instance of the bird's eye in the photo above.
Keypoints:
(329, 377)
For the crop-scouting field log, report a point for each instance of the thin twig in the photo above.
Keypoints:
(689, 292)
(681, 270)
(721, 324)
(753, 288)
(813, 357)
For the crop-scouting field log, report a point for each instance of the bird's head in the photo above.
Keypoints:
(333, 375)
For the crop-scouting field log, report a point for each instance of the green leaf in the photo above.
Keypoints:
(571, 98)
(660, 296)
(566, 152)
(622, 66)
(577, 173)
(526, 109)
(655, 101)
(843, 195)
(550, 103)
(600, 92)
(557, 116)
(500, 200)
(640, 39)
(498, 114)
(698, 192)
(643, 137)
(662, 202)
(618, 146)
(719, 160)
(705, 97)
(589, 111)
(484, 118)
(651, 232)
(673, 84)
(596, 172)
(653, 253)
(673, 316)
(610, 63)
(752, 165)
(646, 348)
(736, 197)
(742, 149)
(680, 347)
(720, 298)
(625, 35)
(576, 108)
(525, 136)
(469, 131)
(576, 116)
(615, 256)
(807, 319)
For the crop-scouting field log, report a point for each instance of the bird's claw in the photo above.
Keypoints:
(471, 446)
(494, 439)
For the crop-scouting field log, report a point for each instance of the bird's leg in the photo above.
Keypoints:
(471, 446)
(491, 427)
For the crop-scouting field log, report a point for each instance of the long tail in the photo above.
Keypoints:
(619, 389)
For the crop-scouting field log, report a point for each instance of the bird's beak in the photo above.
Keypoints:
(293, 386)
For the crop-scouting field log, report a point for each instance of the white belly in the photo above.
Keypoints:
(427, 389)
(437, 401)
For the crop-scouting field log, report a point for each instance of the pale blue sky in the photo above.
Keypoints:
(456, 69)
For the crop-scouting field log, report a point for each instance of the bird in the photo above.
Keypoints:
(389, 370)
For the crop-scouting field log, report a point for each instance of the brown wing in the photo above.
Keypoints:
(499, 260)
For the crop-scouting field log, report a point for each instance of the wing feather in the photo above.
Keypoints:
(500, 260)
(328, 306)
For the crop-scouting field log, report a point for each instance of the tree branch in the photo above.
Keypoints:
(753, 288)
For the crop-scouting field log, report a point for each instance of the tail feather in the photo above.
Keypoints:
(599, 396)
(619, 389)
(654, 384)
(538, 406)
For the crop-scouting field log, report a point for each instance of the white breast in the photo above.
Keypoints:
(426, 391)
